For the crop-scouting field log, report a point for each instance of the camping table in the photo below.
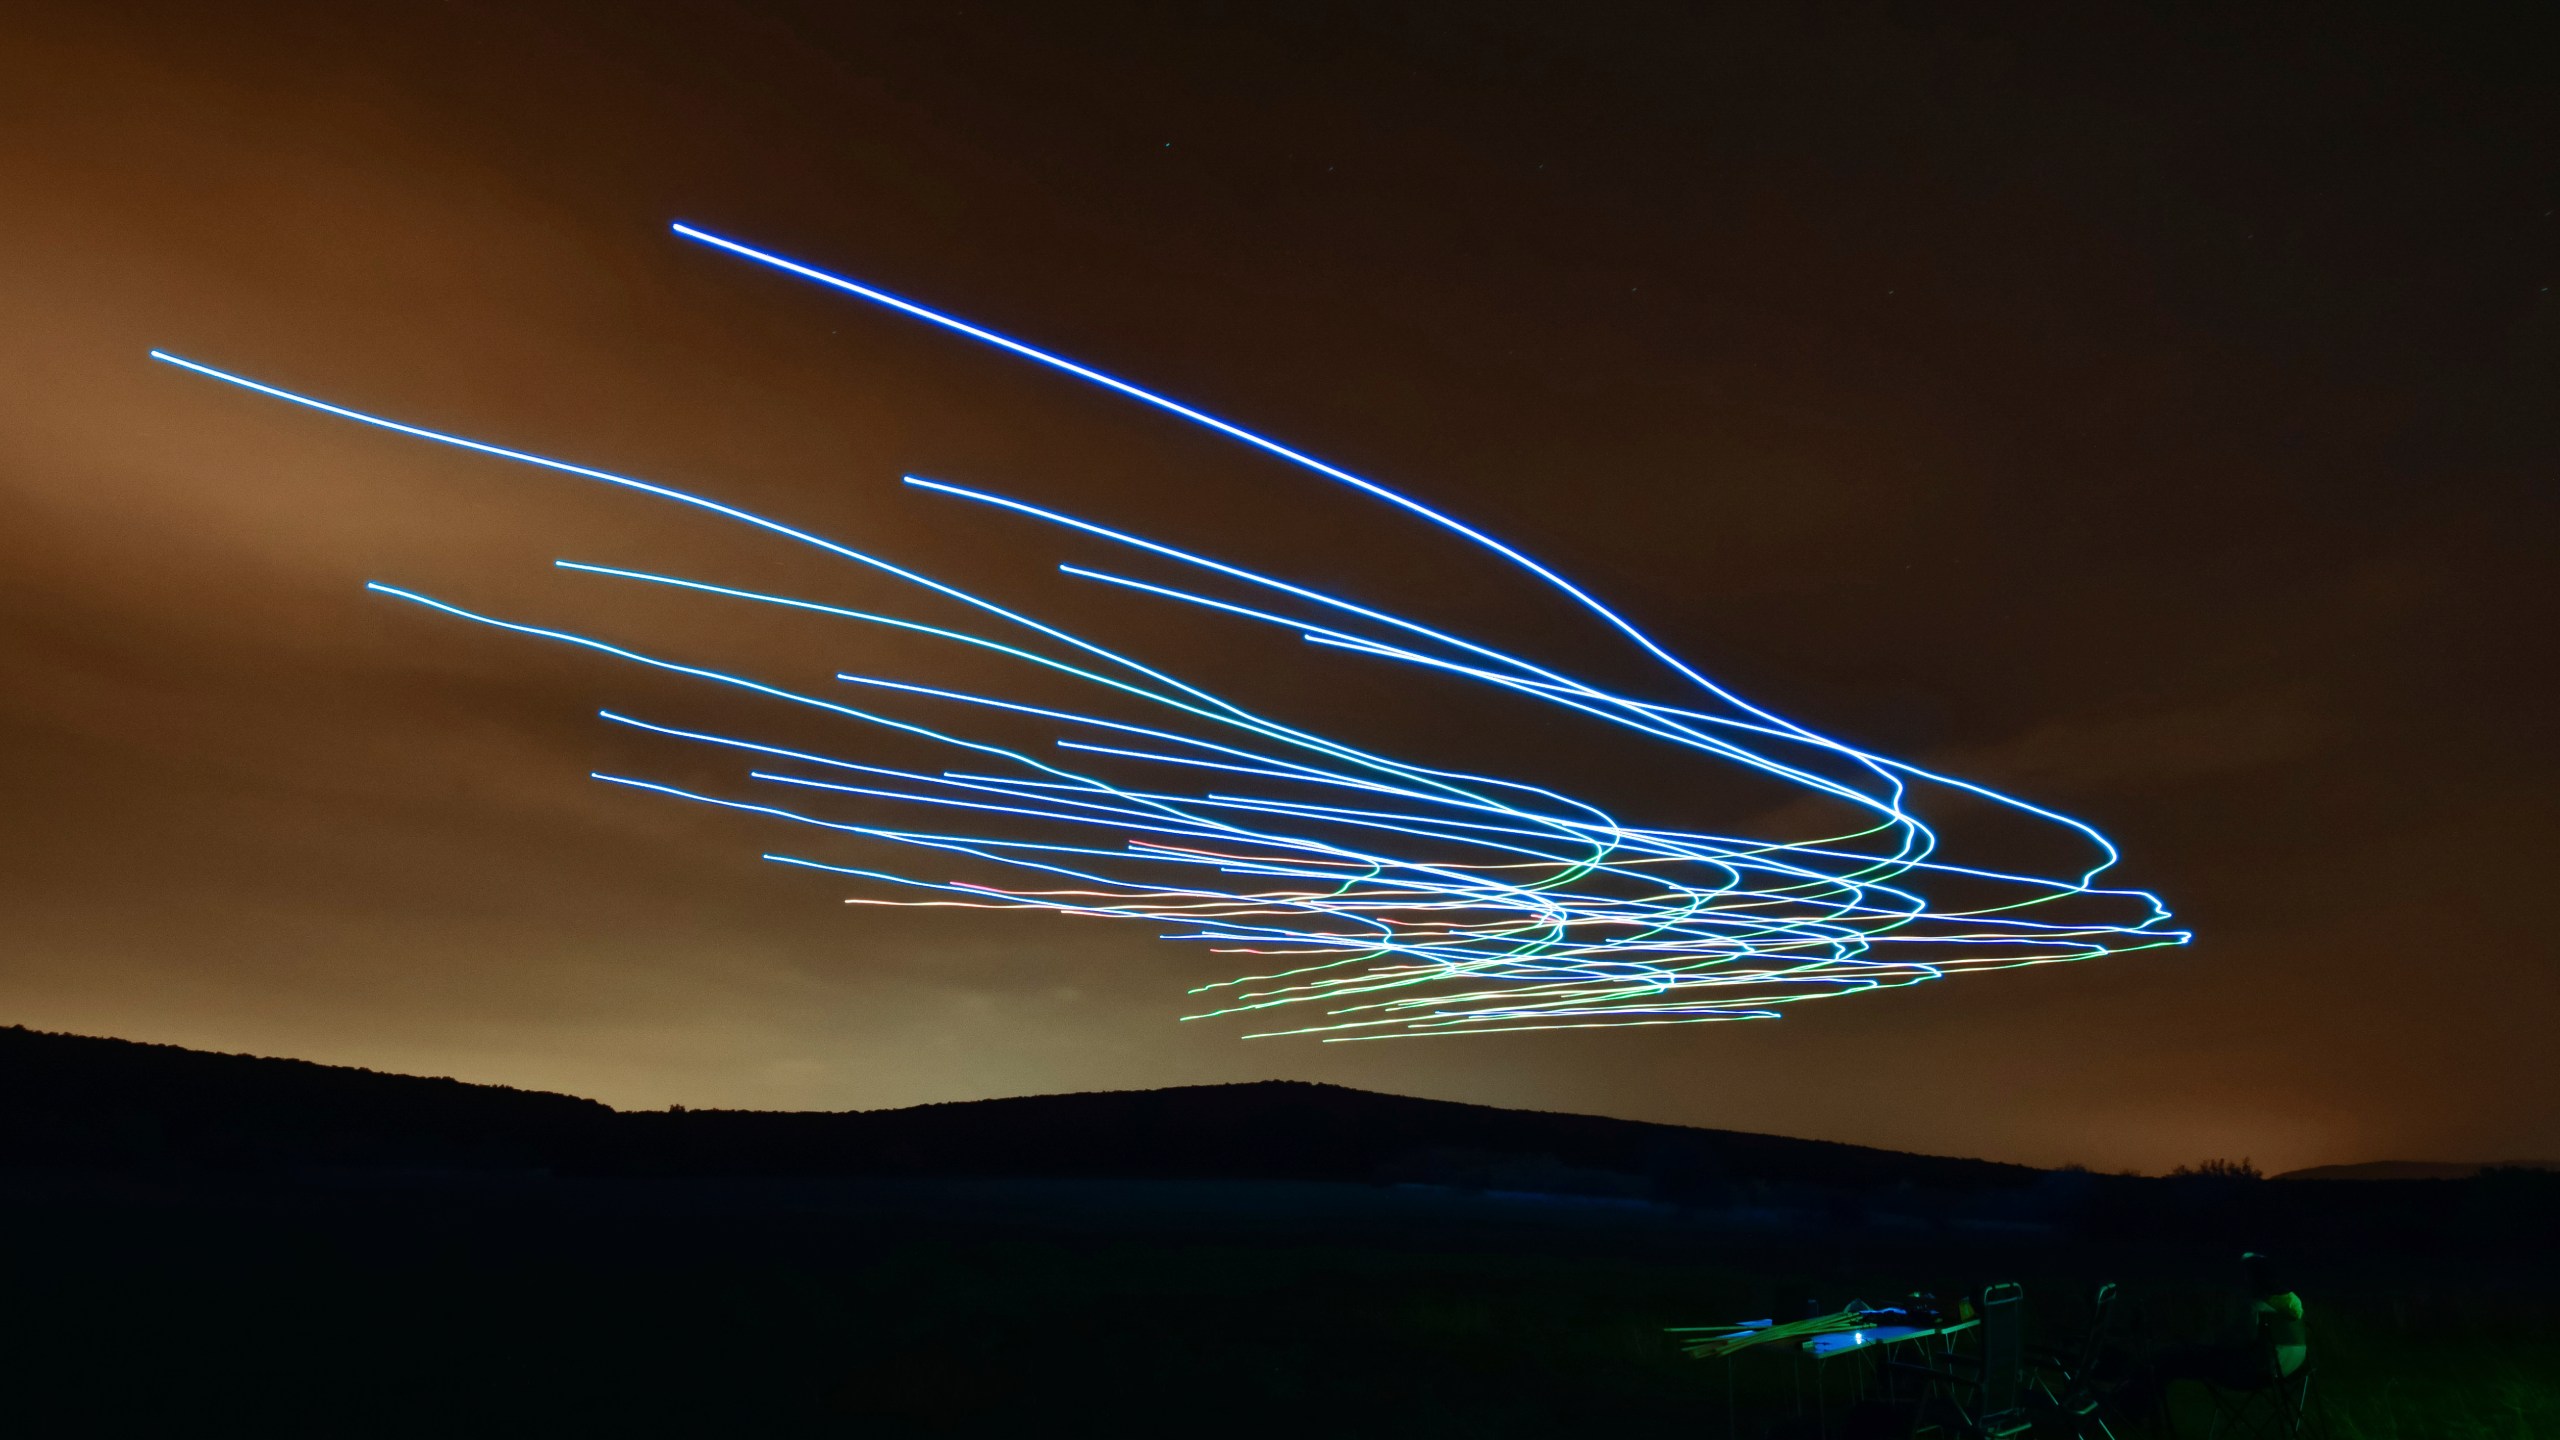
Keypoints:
(1870, 1341)
(1850, 1342)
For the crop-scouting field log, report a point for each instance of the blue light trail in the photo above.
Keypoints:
(1403, 898)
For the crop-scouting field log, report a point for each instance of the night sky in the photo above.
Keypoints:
(2148, 410)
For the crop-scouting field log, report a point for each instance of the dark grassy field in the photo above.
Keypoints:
(216, 1271)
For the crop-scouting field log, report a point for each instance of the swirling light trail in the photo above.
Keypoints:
(1397, 898)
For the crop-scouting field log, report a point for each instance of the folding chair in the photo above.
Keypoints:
(1980, 1394)
(2280, 1408)
(2063, 1394)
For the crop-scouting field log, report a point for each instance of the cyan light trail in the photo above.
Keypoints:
(1382, 896)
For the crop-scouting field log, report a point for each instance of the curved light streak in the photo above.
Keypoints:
(1404, 898)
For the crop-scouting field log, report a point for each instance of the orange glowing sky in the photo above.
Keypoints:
(2163, 416)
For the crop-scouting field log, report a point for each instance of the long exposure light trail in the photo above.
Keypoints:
(1384, 895)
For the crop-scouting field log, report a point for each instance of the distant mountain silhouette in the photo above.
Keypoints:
(88, 1101)
(2413, 1169)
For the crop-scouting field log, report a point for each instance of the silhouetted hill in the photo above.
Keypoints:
(118, 1107)
(74, 1099)
(1270, 1130)
(197, 1242)
(2412, 1169)
(94, 1101)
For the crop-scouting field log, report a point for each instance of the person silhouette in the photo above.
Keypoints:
(2267, 1349)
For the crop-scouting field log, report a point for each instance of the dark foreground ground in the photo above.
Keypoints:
(207, 1260)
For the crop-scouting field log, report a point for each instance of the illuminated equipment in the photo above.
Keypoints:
(1381, 895)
